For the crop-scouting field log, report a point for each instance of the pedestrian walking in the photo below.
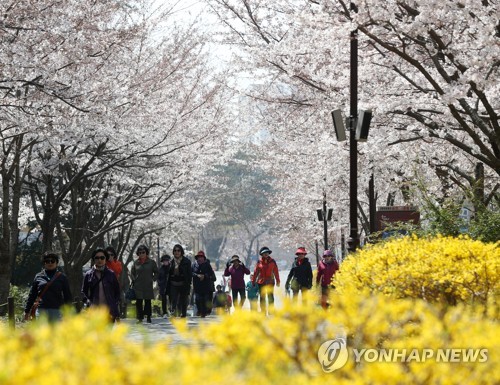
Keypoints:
(203, 278)
(164, 286)
(116, 265)
(100, 286)
(237, 270)
(252, 293)
(113, 263)
(327, 267)
(143, 273)
(266, 275)
(49, 291)
(180, 278)
(300, 277)
(211, 291)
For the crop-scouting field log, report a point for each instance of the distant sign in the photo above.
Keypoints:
(389, 214)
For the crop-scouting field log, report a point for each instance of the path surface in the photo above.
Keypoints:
(161, 328)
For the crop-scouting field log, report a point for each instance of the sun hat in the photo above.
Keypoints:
(264, 250)
(301, 250)
(200, 253)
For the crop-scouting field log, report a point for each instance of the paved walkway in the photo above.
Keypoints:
(162, 329)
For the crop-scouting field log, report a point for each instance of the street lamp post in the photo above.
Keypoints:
(353, 241)
(359, 123)
(325, 225)
(325, 215)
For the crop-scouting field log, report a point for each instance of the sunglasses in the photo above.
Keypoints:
(99, 257)
(50, 260)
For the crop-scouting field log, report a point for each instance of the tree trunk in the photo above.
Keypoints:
(75, 278)
(11, 197)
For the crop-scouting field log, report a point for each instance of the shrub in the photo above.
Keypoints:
(248, 347)
(443, 269)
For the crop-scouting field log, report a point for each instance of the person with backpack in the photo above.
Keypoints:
(266, 276)
(300, 277)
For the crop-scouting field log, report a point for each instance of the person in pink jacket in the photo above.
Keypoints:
(326, 269)
(237, 271)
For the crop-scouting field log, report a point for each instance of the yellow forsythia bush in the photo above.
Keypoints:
(438, 269)
(250, 348)
(392, 297)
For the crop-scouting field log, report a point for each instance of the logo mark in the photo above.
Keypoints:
(332, 354)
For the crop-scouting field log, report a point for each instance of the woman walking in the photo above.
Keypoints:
(143, 273)
(326, 270)
(237, 270)
(100, 286)
(49, 291)
(164, 286)
(179, 277)
(203, 278)
(266, 275)
(300, 277)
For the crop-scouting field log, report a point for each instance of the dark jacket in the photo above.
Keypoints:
(300, 275)
(90, 290)
(163, 279)
(203, 286)
(180, 277)
(56, 295)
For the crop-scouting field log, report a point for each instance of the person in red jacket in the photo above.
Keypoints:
(113, 262)
(326, 269)
(266, 275)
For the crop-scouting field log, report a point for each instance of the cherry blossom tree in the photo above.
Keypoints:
(429, 72)
(109, 117)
